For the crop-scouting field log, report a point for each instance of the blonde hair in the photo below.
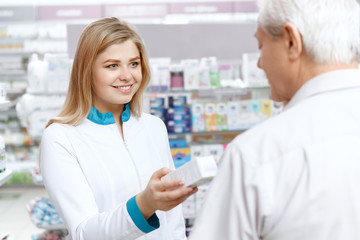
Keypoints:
(95, 38)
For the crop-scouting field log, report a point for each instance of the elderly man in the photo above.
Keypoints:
(297, 175)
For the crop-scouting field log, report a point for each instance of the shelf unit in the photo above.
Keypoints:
(47, 227)
(207, 137)
(51, 227)
(5, 105)
(7, 174)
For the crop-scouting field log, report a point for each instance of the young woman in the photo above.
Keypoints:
(102, 159)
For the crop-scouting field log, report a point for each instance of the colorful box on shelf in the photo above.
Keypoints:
(44, 214)
(210, 117)
(2, 155)
(221, 116)
(197, 117)
(180, 156)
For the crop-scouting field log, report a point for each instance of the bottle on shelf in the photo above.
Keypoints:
(2, 155)
(2, 92)
(36, 71)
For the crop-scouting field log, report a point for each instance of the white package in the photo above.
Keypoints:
(191, 73)
(195, 172)
(253, 76)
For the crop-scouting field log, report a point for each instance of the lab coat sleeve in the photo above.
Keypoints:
(73, 198)
(176, 223)
(230, 209)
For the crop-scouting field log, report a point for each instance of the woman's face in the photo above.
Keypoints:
(116, 76)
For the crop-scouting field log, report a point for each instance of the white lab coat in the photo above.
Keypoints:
(297, 175)
(90, 175)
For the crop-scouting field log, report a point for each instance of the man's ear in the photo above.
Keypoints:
(293, 40)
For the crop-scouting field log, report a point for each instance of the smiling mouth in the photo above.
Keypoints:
(123, 87)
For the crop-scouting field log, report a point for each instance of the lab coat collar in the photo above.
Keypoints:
(107, 118)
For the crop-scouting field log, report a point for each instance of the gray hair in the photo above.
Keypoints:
(330, 29)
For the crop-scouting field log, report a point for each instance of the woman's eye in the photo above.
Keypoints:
(134, 64)
(112, 66)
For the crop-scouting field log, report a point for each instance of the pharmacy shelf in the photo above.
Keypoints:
(211, 92)
(5, 105)
(13, 73)
(4, 176)
(46, 93)
(51, 227)
(15, 91)
(220, 92)
(207, 137)
(13, 78)
(19, 51)
(209, 133)
(40, 214)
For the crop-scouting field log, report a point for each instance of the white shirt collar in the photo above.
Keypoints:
(326, 82)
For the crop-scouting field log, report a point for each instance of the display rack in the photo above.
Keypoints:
(4, 176)
(5, 104)
(51, 227)
(199, 137)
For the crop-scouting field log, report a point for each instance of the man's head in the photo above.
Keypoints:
(300, 39)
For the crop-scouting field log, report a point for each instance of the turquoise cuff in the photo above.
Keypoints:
(146, 226)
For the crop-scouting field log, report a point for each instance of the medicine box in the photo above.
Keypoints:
(210, 117)
(221, 113)
(195, 172)
(197, 117)
(233, 115)
(265, 107)
(180, 156)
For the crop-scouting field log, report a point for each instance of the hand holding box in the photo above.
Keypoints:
(195, 172)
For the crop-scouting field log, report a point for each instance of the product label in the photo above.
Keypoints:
(16, 13)
(198, 117)
(69, 12)
(221, 112)
(180, 156)
(2, 160)
(210, 117)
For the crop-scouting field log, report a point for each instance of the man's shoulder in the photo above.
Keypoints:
(282, 129)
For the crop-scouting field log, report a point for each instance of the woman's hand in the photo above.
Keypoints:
(162, 195)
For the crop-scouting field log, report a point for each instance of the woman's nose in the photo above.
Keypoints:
(125, 74)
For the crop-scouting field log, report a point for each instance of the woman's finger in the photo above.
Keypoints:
(172, 195)
(173, 203)
(160, 173)
(170, 184)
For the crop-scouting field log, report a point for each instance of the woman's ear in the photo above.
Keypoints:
(293, 40)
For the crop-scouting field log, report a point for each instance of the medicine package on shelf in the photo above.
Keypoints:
(195, 172)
